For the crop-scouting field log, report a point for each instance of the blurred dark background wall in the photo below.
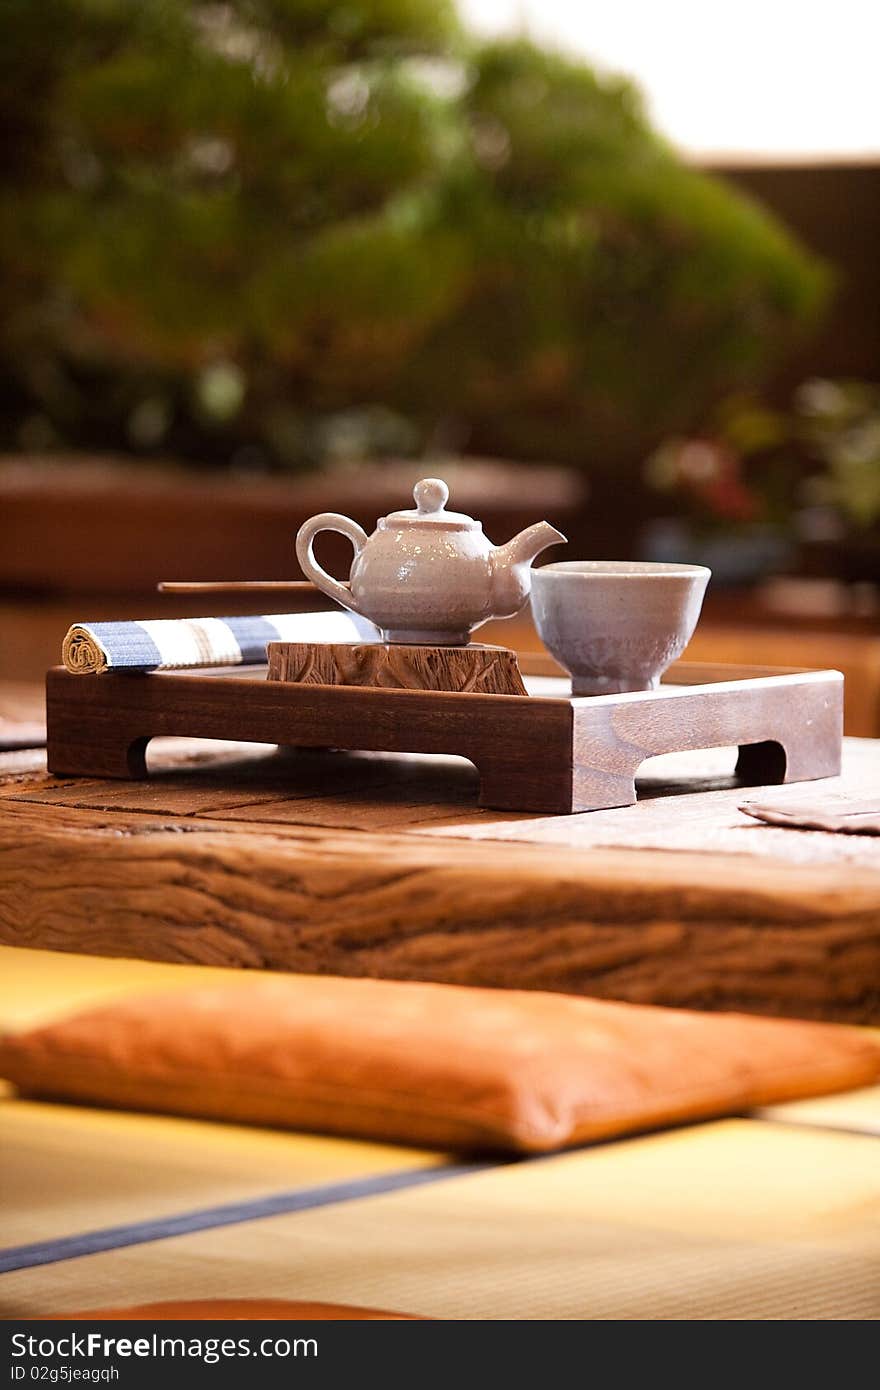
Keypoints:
(835, 210)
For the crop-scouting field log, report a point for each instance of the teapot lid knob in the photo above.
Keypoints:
(430, 495)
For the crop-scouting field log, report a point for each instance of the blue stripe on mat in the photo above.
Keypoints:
(126, 644)
(252, 635)
(231, 1214)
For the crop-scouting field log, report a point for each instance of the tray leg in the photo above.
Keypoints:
(540, 784)
(816, 751)
(604, 766)
(806, 741)
(576, 765)
(95, 753)
(87, 734)
(599, 789)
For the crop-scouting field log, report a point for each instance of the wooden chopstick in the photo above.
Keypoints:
(234, 586)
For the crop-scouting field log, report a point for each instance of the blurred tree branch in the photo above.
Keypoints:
(351, 211)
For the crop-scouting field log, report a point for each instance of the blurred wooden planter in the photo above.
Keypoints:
(115, 527)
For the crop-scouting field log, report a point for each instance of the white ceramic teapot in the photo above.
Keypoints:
(428, 575)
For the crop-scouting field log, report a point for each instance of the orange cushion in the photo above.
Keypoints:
(440, 1065)
(230, 1310)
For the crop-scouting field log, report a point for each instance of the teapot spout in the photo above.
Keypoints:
(512, 566)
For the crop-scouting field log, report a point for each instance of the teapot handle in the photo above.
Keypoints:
(305, 541)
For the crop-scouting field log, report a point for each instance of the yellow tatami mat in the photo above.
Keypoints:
(857, 1111)
(38, 985)
(66, 1169)
(734, 1220)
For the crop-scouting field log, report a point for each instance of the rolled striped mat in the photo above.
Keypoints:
(176, 644)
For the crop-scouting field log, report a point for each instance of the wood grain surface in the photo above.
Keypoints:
(474, 669)
(370, 864)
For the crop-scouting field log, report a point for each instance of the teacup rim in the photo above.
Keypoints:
(623, 569)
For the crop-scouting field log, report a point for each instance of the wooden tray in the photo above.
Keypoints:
(550, 753)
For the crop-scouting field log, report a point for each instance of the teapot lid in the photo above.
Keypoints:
(430, 496)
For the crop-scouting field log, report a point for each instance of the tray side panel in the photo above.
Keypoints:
(788, 729)
(100, 726)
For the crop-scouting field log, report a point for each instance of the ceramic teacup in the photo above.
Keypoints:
(616, 625)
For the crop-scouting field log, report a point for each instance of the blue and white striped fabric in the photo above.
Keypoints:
(175, 644)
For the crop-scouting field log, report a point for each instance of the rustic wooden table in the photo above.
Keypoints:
(236, 854)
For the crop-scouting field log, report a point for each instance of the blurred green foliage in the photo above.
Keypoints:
(817, 464)
(838, 424)
(273, 232)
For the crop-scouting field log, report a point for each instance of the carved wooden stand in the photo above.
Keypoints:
(472, 670)
(547, 754)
